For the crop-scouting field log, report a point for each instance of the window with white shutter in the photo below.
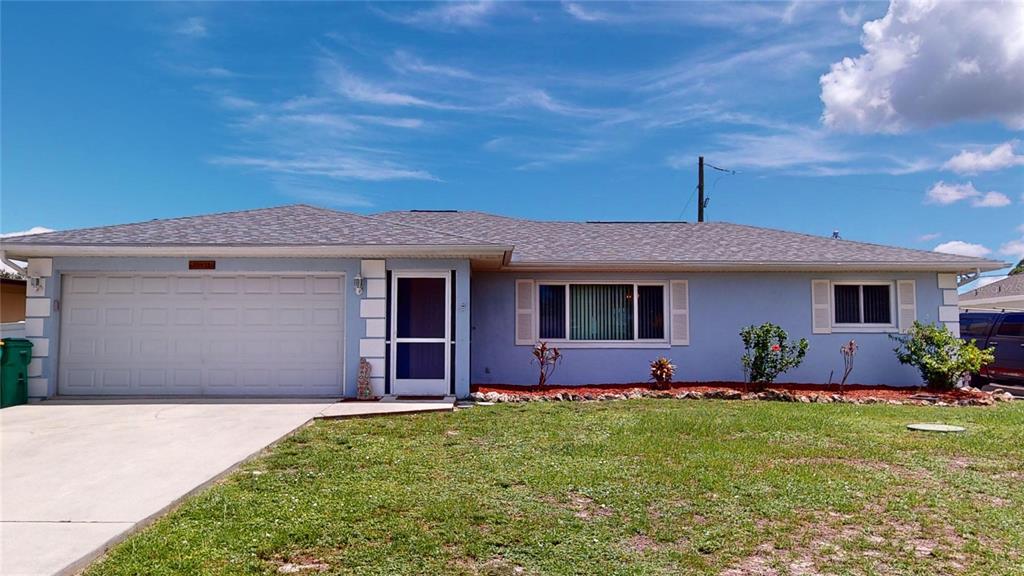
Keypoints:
(821, 308)
(680, 302)
(906, 295)
(524, 313)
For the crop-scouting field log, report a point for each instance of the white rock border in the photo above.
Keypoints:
(984, 399)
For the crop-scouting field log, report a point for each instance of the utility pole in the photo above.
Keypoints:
(700, 189)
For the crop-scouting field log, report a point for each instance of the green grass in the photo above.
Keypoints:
(628, 487)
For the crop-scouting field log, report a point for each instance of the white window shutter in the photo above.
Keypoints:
(821, 307)
(680, 305)
(906, 296)
(524, 313)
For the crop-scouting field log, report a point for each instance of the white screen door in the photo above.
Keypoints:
(420, 333)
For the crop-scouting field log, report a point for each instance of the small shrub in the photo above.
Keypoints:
(547, 358)
(768, 352)
(848, 350)
(662, 371)
(940, 356)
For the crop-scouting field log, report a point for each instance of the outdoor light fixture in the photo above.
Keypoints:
(357, 284)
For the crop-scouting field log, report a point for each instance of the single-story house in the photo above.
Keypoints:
(1004, 295)
(287, 300)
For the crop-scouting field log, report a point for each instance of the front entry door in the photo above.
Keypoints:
(420, 333)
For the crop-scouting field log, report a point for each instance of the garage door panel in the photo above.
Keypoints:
(188, 285)
(79, 379)
(120, 284)
(155, 285)
(187, 334)
(118, 316)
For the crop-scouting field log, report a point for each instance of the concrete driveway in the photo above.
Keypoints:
(76, 475)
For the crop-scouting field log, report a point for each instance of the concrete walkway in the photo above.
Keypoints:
(79, 475)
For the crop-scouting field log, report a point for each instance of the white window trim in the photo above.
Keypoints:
(635, 343)
(860, 327)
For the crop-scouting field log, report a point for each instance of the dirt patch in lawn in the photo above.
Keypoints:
(299, 563)
(831, 543)
(852, 391)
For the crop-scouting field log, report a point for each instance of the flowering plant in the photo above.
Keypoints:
(768, 352)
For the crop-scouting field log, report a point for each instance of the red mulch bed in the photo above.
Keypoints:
(850, 390)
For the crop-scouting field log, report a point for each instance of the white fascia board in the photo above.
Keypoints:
(990, 300)
(361, 251)
(631, 266)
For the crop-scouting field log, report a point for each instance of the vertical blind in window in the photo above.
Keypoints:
(863, 304)
(876, 305)
(651, 312)
(601, 311)
(552, 311)
(847, 304)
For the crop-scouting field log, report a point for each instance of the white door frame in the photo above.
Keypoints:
(420, 386)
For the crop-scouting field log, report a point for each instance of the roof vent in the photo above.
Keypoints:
(836, 236)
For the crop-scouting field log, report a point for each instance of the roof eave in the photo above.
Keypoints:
(255, 251)
(777, 266)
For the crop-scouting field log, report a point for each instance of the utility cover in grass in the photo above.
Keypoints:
(935, 428)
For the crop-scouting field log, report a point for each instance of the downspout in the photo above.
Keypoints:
(17, 267)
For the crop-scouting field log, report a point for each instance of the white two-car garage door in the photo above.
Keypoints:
(213, 334)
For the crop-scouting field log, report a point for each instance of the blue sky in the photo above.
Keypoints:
(122, 112)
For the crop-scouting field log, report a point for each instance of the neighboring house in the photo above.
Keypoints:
(12, 300)
(1006, 294)
(285, 301)
(12, 308)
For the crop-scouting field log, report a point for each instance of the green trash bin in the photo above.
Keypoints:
(14, 358)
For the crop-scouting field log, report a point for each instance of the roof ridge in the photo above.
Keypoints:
(377, 218)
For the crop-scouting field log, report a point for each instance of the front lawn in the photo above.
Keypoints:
(625, 487)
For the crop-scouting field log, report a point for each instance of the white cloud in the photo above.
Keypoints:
(358, 89)
(336, 166)
(236, 103)
(32, 230)
(945, 194)
(962, 248)
(194, 27)
(578, 12)
(929, 237)
(393, 122)
(972, 162)
(991, 200)
(403, 61)
(450, 15)
(927, 63)
(851, 18)
(1013, 249)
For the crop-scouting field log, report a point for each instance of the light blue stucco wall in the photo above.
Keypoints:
(720, 305)
(355, 328)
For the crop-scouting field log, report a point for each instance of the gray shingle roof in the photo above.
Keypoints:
(535, 242)
(1009, 286)
(665, 242)
(295, 225)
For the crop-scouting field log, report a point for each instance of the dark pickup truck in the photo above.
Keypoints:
(1003, 331)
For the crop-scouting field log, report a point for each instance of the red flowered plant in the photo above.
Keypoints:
(768, 353)
(547, 358)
